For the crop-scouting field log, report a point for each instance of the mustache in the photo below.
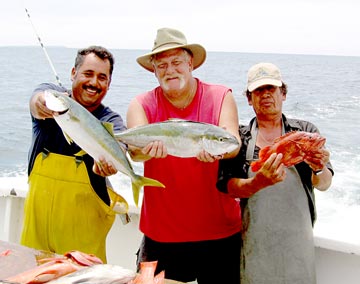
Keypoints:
(91, 88)
(169, 77)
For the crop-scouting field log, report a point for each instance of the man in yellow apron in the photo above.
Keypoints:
(69, 205)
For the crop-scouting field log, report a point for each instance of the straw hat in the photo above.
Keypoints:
(263, 74)
(167, 39)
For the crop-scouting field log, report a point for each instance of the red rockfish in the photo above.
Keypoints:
(295, 147)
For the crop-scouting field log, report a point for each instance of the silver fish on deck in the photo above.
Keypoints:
(182, 138)
(97, 274)
(94, 137)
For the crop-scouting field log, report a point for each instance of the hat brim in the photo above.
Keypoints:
(199, 55)
(263, 82)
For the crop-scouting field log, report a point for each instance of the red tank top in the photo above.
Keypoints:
(190, 208)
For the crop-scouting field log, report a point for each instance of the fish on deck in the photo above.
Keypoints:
(55, 267)
(182, 138)
(295, 146)
(94, 137)
(98, 274)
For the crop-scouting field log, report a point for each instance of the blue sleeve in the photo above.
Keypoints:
(49, 86)
(109, 115)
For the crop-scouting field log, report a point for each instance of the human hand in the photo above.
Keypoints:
(318, 159)
(273, 171)
(104, 168)
(206, 157)
(38, 107)
(155, 149)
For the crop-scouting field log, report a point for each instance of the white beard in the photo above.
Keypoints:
(166, 86)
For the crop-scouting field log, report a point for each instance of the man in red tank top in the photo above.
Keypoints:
(190, 228)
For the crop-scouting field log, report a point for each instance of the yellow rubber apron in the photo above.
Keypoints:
(62, 211)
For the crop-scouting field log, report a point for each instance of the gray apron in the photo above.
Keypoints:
(278, 245)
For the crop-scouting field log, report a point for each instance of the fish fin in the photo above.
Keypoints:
(118, 203)
(81, 153)
(117, 135)
(139, 182)
(109, 127)
(68, 138)
(263, 152)
(294, 161)
(285, 135)
(46, 276)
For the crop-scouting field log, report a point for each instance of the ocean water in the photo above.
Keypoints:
(322, 89)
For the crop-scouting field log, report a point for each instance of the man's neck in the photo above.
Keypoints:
(269, 122)
(268, 130)
(183, 98)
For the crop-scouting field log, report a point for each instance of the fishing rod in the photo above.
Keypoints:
(44, 49)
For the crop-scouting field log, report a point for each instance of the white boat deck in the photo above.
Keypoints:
(336, 262)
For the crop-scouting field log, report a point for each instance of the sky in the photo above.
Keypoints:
(326, 27)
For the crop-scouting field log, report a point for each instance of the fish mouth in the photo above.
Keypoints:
(63, 112)
(55, 102)
(321, 142)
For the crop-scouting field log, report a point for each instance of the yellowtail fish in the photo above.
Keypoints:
(182, 138)
(94, 137)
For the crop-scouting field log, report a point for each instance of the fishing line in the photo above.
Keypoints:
(44, 49)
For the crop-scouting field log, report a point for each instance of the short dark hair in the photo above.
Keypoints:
(99, 51)
(283, 89)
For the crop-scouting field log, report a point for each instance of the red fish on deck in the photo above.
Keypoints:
(295, 147)
(55, 267)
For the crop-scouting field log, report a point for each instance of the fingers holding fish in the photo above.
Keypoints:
(155, 149)
(273, 162)
(38, 107)
(281, 173)
(273, 171)
(324, 155)
(104, 168)
(206, 157)
(318, 159)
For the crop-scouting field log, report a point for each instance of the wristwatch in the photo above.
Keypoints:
(318, 172)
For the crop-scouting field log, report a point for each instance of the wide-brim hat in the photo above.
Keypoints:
(262, 74)
(167, 39)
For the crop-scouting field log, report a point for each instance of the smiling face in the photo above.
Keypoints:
(91, 81)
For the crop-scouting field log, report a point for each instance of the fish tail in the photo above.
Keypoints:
(255, 166)
(141, 181)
